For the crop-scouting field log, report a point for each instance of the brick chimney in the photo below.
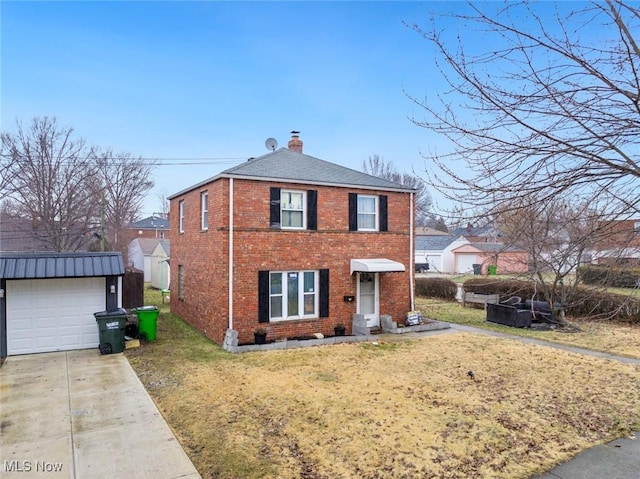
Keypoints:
(295, 144)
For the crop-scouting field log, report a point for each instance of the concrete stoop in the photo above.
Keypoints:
(390, 326)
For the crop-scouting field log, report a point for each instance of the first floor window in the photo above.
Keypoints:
(293, 294)
(180, 281)
(286, 295)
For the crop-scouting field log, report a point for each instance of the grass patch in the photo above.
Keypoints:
(402, 409)
(606, 336)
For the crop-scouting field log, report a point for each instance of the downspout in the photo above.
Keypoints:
(230, 253)
(411, 253)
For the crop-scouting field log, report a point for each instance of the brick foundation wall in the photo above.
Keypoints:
(204, 256)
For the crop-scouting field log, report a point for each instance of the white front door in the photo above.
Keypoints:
(369, 298)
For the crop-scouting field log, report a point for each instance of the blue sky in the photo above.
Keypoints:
(180, 81)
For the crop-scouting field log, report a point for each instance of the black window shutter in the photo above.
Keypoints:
(312, 210)
(274, 211)
(324, 293)
(263, 296)
(353, 212)
(382, 201)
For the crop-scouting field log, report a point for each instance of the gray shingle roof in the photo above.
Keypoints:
(434, 242)
(284, 164)
(60, 265)
(146, 245)
(495, 247)
(290, 166)
(150, 223)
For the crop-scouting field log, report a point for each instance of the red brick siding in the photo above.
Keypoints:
(617, 234)
(257, 247)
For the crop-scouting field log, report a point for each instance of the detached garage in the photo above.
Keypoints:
(47, 300)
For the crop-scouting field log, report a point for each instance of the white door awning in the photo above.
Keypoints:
(376, 265)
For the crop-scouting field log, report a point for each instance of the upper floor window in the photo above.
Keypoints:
(204, 208)
(181, 216)
(367, 212)
(636, 227)
(293, 209)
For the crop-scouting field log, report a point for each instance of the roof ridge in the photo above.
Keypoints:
(288, 165)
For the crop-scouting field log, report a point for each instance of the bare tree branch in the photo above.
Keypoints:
(377, 166)
(546, 113)
(53, 182)
(126, 181)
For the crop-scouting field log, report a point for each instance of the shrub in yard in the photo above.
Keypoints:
(616, 277)
(505, 287)
(587, 302)
(583, 301)
(436, 288)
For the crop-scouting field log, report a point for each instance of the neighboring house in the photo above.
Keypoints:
(154, 226)
(428, 231)
(47, 300)
(435, 252)
(456, 254)
(160, 265)
(505, 259)
(22, 235)
(139, 253)
(619, 243)
(479, 234)
(292, 244)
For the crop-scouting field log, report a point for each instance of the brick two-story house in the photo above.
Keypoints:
(292, 244)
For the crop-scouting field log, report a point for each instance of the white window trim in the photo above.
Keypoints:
(181, 216)
(376, 213)
(204, 210)
(304, 210)
(301, 293)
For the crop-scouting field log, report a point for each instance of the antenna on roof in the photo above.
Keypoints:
(271, 144)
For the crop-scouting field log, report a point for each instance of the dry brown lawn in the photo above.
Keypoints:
(612, 337)
(405, 409)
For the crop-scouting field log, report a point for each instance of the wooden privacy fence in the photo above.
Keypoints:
(133, 288)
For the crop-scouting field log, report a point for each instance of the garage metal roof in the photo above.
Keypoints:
(60, 265)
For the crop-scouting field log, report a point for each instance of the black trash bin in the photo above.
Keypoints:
(477, 269)
(111, 326)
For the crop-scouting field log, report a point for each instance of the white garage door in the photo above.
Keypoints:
(466, 262)
(53, 314)
(435, 262)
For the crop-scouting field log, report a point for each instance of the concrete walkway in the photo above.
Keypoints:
(81, 415)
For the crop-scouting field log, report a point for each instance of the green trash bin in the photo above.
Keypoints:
(111, 326)
(147, 322)
(493, 269)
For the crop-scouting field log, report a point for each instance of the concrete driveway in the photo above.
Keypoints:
(79, 414)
